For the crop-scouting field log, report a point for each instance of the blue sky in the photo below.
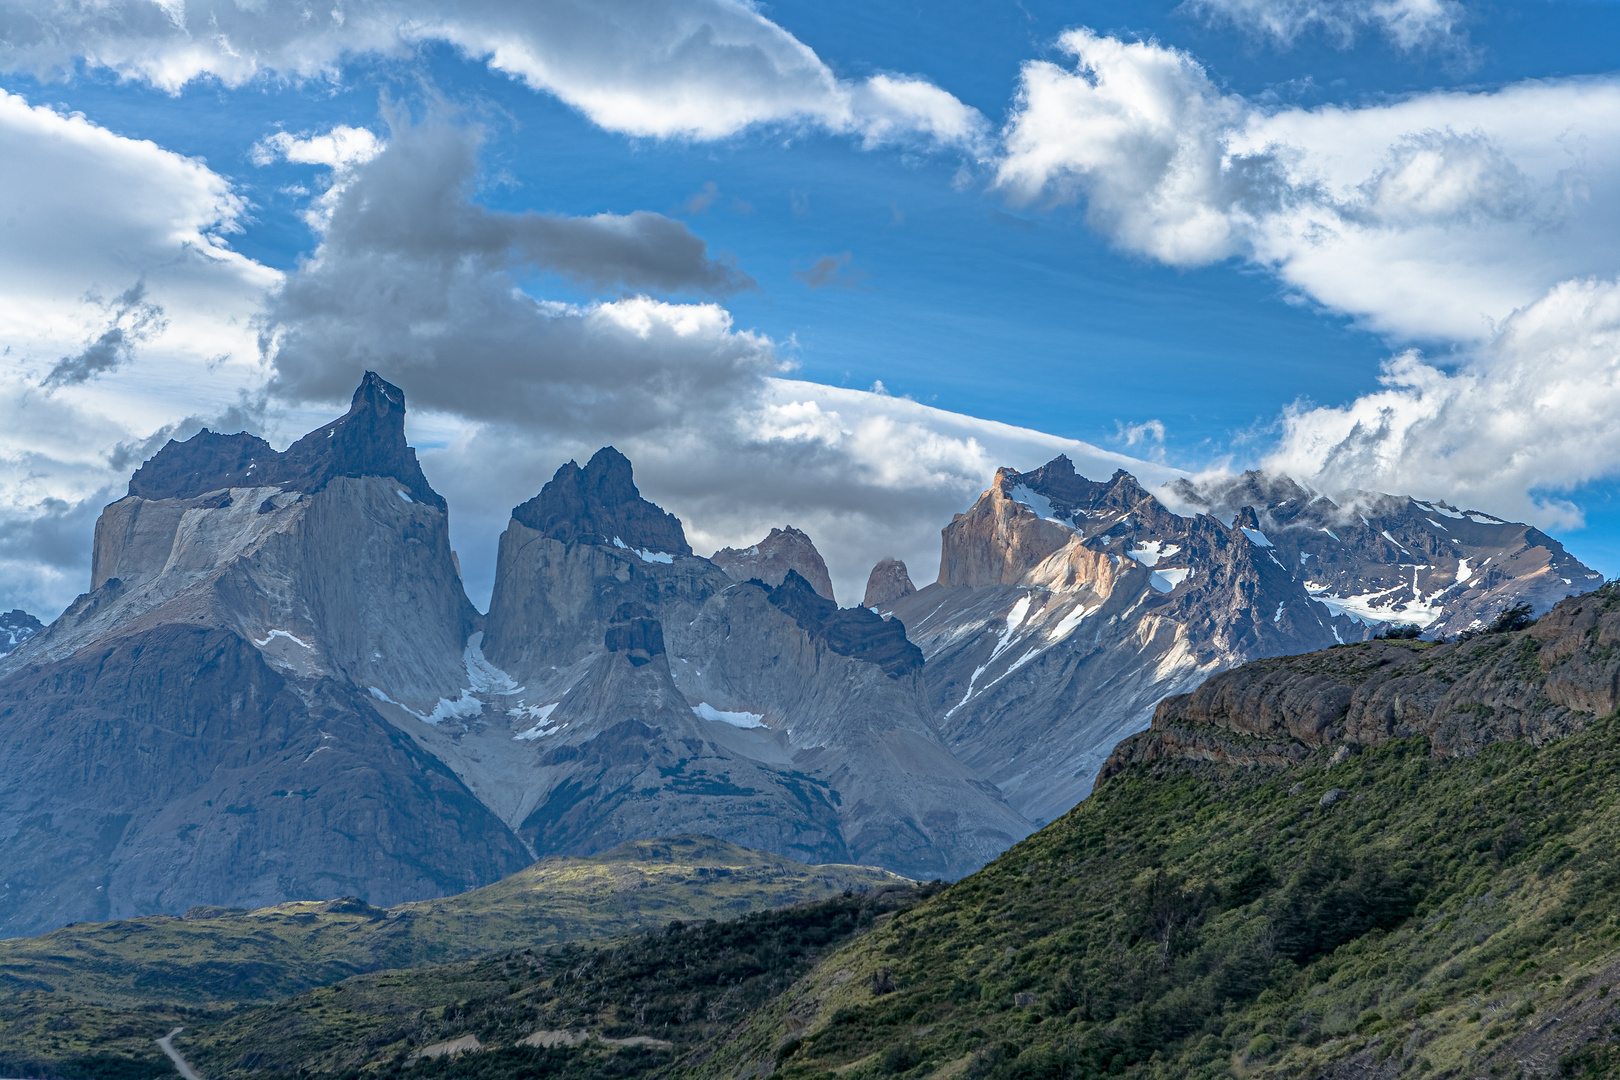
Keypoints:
(1037, 283)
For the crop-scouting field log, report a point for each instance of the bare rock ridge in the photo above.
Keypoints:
(1537, 684)
(653, 693)
(600, 504)
(369, 440)
(887, 583)
(16, 627)
(277, 689)
(1067, 608)
(773, 558)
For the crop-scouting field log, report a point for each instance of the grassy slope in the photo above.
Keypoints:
(287, 949)
(1440, 918)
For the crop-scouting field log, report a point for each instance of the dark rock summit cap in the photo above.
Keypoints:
(600, 504)
(16, 627)
(368, 440)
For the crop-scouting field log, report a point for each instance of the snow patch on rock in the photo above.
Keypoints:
(736, 719)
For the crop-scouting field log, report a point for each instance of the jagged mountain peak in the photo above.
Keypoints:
(600, 504)
(781, 552)
(889, 581)
(368, 440)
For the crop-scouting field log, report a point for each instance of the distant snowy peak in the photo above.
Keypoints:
(772, 558)
(600, 504)
(1376, 559)
(16, 627)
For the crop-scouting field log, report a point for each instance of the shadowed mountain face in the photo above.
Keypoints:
(600, 504)
(649, 688)
(369, 440)
(1067, 608)
(202, 726)
(277, 689)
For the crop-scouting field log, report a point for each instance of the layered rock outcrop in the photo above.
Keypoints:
(1067, 608)
(782, 552)
(652, 688)
(1534, 684)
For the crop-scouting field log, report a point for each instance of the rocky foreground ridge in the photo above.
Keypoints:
(1067, 608)
(1534, 684)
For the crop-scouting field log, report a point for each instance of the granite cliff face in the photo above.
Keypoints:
(1534, 684)
(1067, 608)
(277, 689)
(640, 690)
(784, 551)
(201, 727)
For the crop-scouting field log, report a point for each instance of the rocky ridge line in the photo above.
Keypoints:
(1537, 684)
(600, 504)
(368, 440)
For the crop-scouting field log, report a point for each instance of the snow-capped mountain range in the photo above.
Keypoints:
(277, 688)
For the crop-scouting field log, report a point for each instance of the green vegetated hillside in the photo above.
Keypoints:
(1255, 899)
(111, 988)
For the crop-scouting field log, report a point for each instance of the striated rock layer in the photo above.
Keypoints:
(655, 694)
(1067, 608)
(1534, 684)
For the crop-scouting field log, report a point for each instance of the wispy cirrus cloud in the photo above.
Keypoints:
(1409, 25)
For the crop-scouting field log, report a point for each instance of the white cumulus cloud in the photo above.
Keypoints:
(1434, 216)
(1522, 418)
(697, 69)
